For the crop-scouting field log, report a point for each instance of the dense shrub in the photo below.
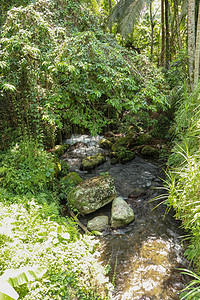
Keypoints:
(30, 236)
(26, 167)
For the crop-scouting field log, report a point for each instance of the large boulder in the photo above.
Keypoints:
(121, 213)
(98, 223)
(91, 162)
(92, 194)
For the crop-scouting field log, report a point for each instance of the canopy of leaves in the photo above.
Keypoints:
(56, 65)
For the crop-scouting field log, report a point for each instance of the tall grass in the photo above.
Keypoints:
(183, 182)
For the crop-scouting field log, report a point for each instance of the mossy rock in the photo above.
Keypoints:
(121, 142)
(92, 194)
(113, 158)
(144, 139)
(105, 144)
(98, 223)
(121, 214)
(59, 150)
(111, 139)
(150, 151)
(114, 161)
(91, 162)
(127, 141)
(130, 137)
(124, 155)
(72, 178)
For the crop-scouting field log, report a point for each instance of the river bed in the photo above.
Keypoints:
(144, 257)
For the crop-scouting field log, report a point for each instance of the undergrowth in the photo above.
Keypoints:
(183, 183)
(33, 232)
(29, 238)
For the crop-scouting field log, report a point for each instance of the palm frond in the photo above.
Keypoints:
(126, 13)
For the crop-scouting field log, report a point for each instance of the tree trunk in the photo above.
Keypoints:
(197, 52)
(173, 37)
(152, 30)
(167, 52)
(177, 24)
(163, 34)
(191, 40)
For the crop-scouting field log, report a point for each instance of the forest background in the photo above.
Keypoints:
(89, 67)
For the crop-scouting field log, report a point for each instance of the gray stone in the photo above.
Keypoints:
(92, 194)
(121, 213)
(98, 223)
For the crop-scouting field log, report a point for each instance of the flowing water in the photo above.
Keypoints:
(143, 257)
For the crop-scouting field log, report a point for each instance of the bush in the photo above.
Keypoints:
(27, 168)
(28, 238)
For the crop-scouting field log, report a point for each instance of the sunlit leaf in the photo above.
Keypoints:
(7, 292)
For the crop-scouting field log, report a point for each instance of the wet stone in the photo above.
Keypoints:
(99, 223)
(145, 255)
(121, 214)
(92, 194)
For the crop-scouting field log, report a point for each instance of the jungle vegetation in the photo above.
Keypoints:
(89, 66)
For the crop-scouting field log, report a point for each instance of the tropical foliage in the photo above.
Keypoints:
(63, 70)
(183, 182)
(27, 168)
(32, 235)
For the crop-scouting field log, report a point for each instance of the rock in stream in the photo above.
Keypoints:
(144, 256)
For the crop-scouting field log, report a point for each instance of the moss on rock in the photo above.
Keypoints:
(121, 142)
(123, 155)
(91, 162)
(144, 139)
(105, 144)
(92, 194)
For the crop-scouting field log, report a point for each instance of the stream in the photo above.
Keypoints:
(143, 258)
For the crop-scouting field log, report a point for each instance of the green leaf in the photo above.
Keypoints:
(9, 87)
(7, 292)
(16, 277)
